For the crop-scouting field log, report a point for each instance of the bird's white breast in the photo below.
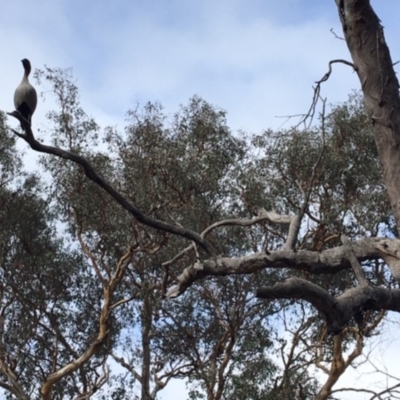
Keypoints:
(25, 92)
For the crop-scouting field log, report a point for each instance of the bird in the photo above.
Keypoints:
(25, 97)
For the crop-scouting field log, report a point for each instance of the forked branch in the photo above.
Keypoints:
(97, 343)
(337, 311)
(328, 261)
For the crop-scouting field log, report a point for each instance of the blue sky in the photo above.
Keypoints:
(257, 59)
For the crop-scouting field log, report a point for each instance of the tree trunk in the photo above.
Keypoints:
(373, 64)
(146, 359)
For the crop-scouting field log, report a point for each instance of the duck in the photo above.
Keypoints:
(25, 97)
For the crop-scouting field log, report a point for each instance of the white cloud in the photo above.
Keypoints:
(255, 59)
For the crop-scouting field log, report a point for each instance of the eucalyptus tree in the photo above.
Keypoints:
(310, 207)
(335, 167)
(43, 321)
(180, 170)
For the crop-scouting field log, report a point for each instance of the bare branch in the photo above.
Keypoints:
(337, 311)
(262, 215)
(376, 395)
(317, 90)
(336, 36)
(324, 262)
(359, 273)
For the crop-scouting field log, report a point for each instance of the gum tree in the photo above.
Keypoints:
(316, 228)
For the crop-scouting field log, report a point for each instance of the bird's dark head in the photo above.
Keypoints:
(27, 65)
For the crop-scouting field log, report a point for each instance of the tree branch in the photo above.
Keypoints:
(359, 273)
(325, 262)
(15, 387)
(337, 310)
(108, 293)
(317, 90)
(118, 197)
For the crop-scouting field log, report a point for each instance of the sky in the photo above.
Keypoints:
(256, 59)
